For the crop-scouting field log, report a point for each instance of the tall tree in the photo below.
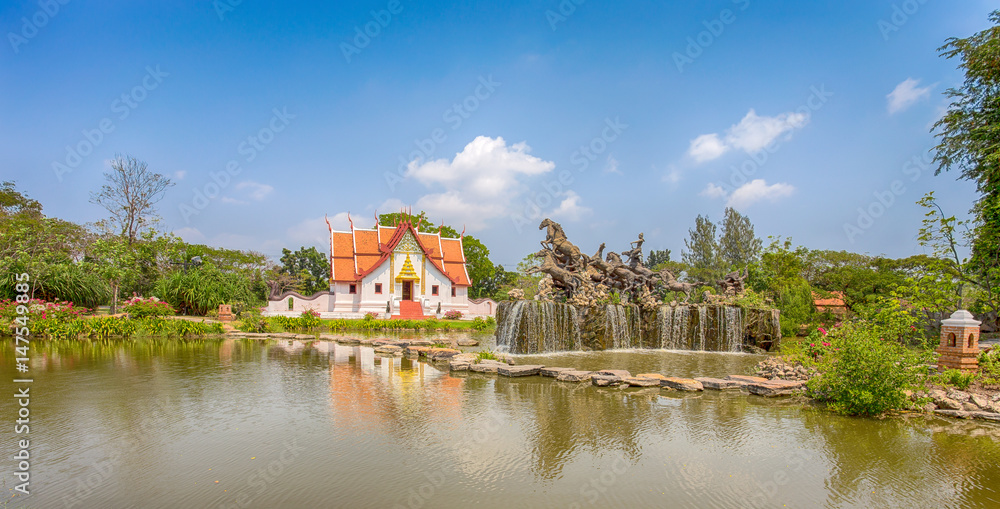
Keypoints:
(310, 266)
(130, 194)
(738, 247)
(702, 251)
(970, 140)
(657, 257)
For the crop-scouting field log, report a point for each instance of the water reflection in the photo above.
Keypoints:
(156, 422)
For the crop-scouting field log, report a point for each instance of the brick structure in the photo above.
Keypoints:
(225, 313)
(959, 342)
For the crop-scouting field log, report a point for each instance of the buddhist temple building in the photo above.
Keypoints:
(392, 271)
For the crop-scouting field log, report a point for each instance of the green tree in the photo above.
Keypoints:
(738, 246)
(970, 142)
(702, 251)
(657, 257)
(310, 266)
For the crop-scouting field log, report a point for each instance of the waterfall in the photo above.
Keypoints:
(539, 326)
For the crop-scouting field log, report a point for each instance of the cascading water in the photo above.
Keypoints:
(534, 327)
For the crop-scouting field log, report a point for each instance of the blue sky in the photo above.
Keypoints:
(811, 118)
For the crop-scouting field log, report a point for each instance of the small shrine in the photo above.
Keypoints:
(959, 347)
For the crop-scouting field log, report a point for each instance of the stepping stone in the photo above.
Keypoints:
(656, 376)
(620, 373)
(637, 381)
(417, 350)
(525, 370)
(459, 365)
(471, 358)
(986, 416)
(553, 372)
(389, 349)
(774, 388)
(605, 380)
(420, 342)
(366, 341)
(681, 384)
(467, 342)
(747, 379)
(575, 376)
(953, 413)
(440, 354)
(486, 367)
(348, 341)
(719, 384)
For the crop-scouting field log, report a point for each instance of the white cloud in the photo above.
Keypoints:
(570, 207)
(755, 191)
(755, 132)
(906, 94)
(190, 235)
(180, 174)
(707, 147)
(713, 191)
(612, 165)
(672, 176)
(233, 201)
(255, 190)
(752, 134)
(480, 183)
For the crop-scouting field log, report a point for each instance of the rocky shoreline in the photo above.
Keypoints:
(771, 377)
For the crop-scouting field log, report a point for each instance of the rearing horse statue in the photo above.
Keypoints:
(555, 239)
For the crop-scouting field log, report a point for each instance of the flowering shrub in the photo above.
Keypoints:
(138, 307)
(453, 315)
(371, 315)
(44, 318)
(309, 319)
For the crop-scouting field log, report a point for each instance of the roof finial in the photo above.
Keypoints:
(328, 225)
(349, 220)
(376, 219)
(463, 231)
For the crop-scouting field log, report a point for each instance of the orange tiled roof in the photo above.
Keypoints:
(836, 300)
(359, 252)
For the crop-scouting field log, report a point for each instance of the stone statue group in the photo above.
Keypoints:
(576, 273)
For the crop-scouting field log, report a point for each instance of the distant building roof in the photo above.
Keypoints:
(835, 300)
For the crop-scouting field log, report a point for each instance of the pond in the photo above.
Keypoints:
(250, 423)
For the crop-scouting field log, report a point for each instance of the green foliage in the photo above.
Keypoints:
(137, 307)
(205, 288)
(750, 299)
(252, 321)
(989, 367)
(796, 304)
(657, 257)
(956, 378)
(105, 327)
(308, 320)
(969, 137)
(738, 246)
(480, 325)
(309, 266)
(701, 253)
(487, 355)
(866, 371)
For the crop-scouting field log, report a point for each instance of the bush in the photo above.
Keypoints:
(137, 307)
(371, 315)
(989, 367)
(867, 374)
(957, 378)
(454, 314)
(486, 355)
(251, 321)
(308, 320)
